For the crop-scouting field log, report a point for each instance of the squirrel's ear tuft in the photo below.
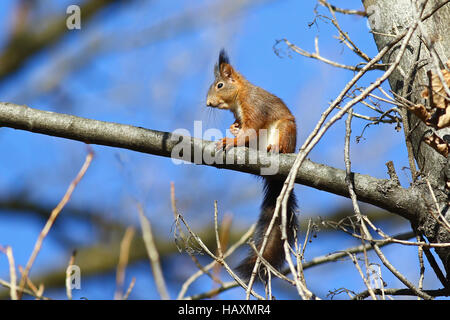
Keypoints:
(224, 67)
(223, 57)
(216, 71)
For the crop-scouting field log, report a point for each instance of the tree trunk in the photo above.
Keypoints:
(391, 17)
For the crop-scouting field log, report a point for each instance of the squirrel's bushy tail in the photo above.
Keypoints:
(274, 251)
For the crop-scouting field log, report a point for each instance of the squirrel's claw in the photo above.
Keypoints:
(235, 128)
(273, 148)
(224, 144)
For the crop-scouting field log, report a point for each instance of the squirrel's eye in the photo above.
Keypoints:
(219, 85)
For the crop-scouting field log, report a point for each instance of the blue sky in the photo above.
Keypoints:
(161, 84)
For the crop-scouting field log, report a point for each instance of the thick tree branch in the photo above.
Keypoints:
(379, 192)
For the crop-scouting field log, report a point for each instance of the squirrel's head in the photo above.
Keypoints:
(223, 91)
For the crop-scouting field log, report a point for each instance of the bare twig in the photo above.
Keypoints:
(421, 265)
(438, 216)
(123, 261)
(403, 292)
(216, 231)
(223, 235)
(299, 278)
(365, 280)
(343, 36)
(12, 272)
(344, 11)
(68, 274)
(392, 239)
(130, 287)
(364, 232)
(51, 220)
(432, 261)
(358, 249)
(270, 268)
(316, 55)
(153, 255)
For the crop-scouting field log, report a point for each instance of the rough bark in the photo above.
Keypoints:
(391, 17)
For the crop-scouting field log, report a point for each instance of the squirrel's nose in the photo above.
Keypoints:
(209, 103)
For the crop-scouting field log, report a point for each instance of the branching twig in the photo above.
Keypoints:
(344, 11)
(316, 55)
(232, 248)
(25, 290)
(217, 259)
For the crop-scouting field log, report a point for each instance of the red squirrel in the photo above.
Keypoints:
(254, 109)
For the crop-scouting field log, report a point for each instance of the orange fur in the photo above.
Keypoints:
(255, 109)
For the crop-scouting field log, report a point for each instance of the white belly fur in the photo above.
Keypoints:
(268, 136)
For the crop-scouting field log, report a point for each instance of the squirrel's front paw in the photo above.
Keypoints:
(225, 144)
(234, 129)
(273, 148)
